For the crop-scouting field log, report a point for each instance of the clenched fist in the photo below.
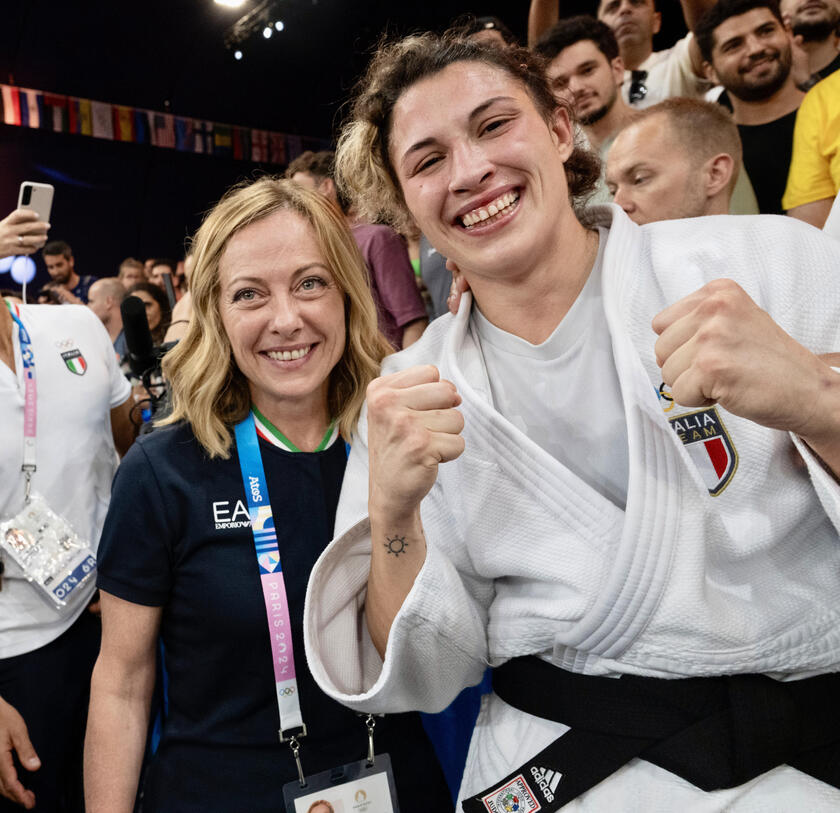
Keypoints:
(717, 346)
(412, 427)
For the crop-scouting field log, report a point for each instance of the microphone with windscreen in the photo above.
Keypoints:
(138, 337)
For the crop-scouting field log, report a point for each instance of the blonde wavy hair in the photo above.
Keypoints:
(364, 173)
(207, 388)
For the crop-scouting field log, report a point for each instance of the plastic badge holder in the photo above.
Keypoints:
(51, 555)
(360, 787)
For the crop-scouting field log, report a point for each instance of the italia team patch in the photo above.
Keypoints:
(75, 361)
(709, 446)
(514, 797)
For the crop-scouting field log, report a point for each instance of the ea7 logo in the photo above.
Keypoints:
(547, 781)
(225, 517)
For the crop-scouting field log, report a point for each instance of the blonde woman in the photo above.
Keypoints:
(272, 371)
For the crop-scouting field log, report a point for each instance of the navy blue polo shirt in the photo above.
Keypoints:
(178, 536)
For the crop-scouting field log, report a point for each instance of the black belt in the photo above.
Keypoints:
(716, 732)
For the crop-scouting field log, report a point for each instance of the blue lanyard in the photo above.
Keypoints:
(30, 413)
(271, 578)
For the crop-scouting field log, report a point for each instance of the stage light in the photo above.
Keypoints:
(6, 263)
(237, 55)
(229, 3)
(279, 25)
(23, 270)
(267, 32)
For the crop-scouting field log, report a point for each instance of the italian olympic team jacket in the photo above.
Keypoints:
(726, 559)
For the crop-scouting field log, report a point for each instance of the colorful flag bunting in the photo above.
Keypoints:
(85, 117)
(164, 130)
(124, 123)
(141, 127)
(222, 140)
(236, 137)
(103, 120)
(11, 105)
(294, 146)
(277, 148)
(56, 106)
(184, 136)
(259, 145)
(62, 114)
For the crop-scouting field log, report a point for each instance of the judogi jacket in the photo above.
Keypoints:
(725, 561)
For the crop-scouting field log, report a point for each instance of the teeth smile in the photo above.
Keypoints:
(288, 355)
(500, 206)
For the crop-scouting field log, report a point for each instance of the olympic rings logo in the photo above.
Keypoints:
(287, 691)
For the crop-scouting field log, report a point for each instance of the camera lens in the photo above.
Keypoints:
(27, 194)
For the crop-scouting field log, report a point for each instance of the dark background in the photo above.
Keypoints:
(116, 199)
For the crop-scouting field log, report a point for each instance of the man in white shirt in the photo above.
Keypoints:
(83, 417)
(650, 76)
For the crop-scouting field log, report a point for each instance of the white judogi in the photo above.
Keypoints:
(525, 558)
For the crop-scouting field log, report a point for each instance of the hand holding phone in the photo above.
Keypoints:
(24, 231)
(37, 197)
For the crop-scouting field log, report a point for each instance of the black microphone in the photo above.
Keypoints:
(170, 291)
(138, 337)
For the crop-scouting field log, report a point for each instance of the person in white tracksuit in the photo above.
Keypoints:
(620, 497)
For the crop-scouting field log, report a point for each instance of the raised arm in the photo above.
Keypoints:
(120, 698)
(412, 427)
(693, 10)
(541, 16)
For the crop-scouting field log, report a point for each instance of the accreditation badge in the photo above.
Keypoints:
(360, 787)
(53, 558)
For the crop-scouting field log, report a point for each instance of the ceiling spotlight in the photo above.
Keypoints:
(230, 3)
(267, 32)
(279, 25)
(237, 55)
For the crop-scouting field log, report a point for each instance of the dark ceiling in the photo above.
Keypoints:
(169, 55)
(113, 199)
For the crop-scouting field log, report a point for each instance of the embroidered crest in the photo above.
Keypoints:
(514, 797)
(75, 361)
(709, 446)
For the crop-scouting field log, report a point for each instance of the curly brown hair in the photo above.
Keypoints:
(364, 172)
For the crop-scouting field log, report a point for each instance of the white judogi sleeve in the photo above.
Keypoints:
(438, 641)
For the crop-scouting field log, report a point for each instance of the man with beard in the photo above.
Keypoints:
(586, 70)
(61, 266)
(816, 27)
(649, 76)
(748, 50)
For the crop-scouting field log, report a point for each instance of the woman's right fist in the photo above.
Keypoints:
(412, 427)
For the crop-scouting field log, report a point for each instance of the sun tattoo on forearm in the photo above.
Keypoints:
(395, 545)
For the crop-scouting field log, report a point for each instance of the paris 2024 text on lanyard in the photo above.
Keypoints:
(367, 785)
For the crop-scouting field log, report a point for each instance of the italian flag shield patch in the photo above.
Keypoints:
(75, 361)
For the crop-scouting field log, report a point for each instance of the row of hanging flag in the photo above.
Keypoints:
(24, 107)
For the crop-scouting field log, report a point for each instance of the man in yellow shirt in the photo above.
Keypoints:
(814, 178)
